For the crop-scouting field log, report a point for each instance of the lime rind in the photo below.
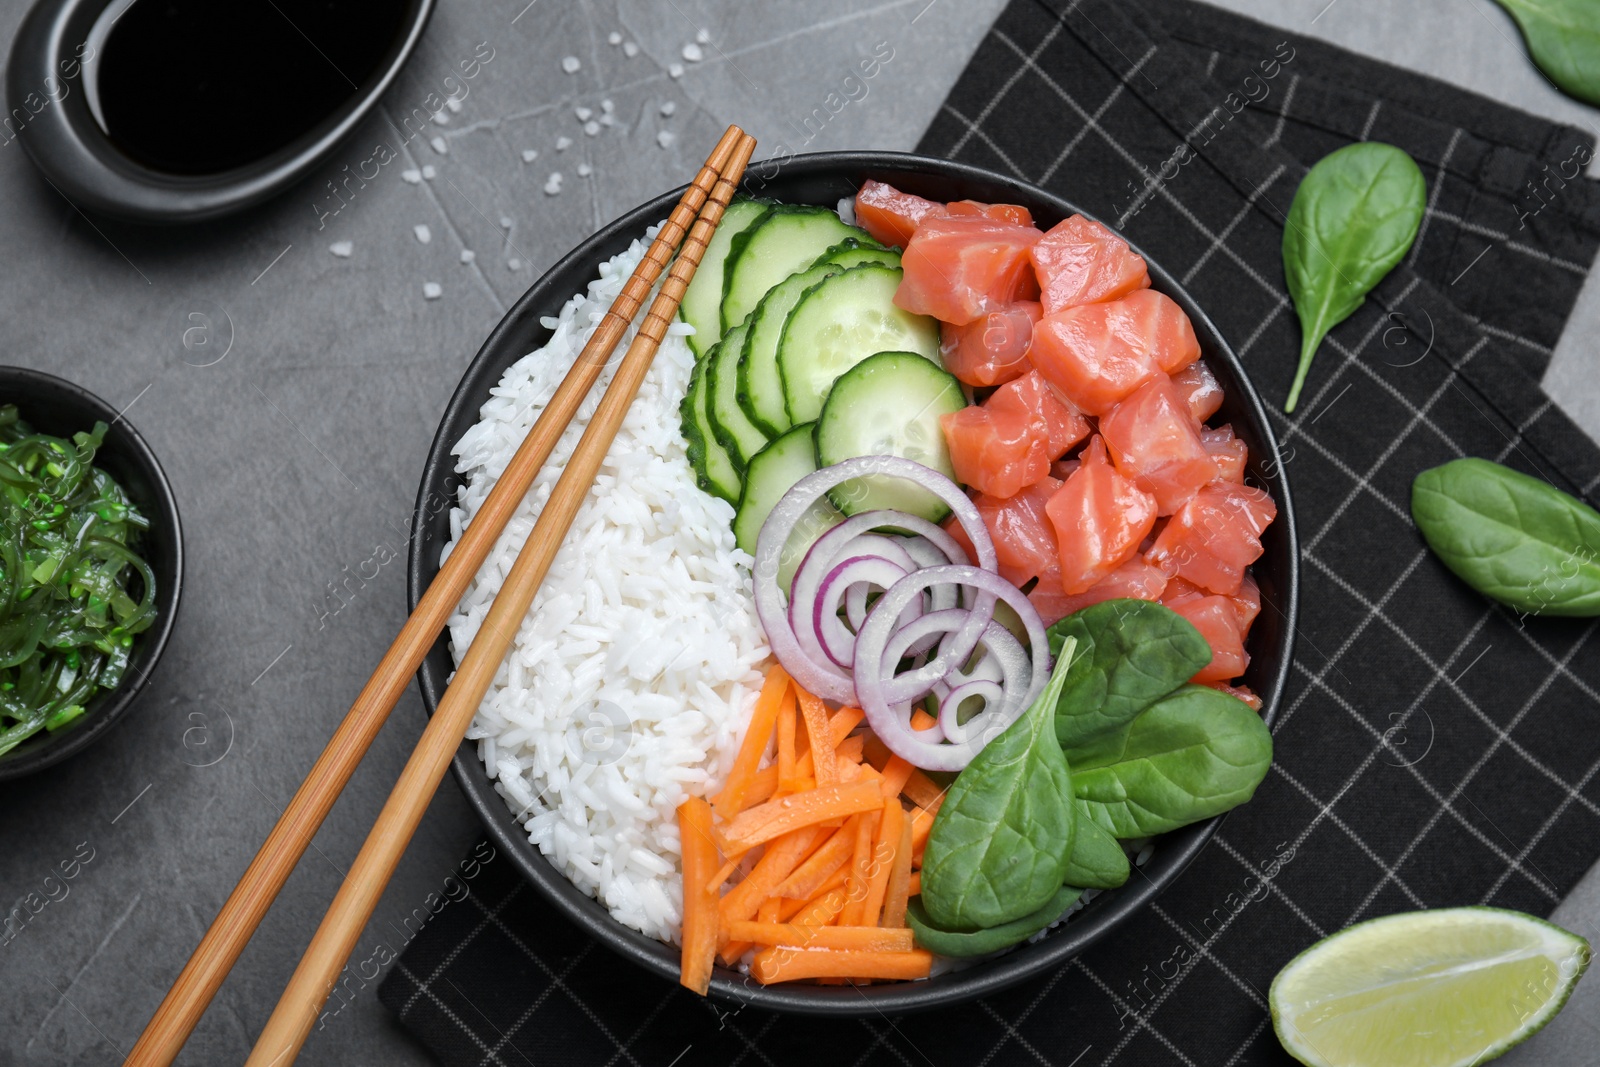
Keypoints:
(1354, 978)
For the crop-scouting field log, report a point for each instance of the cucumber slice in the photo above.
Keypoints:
(839, 323)
(760, 385)
(889, 405)
(712, 466)
(733, 429)
(789, 239)
(852, 253)
(772, 473)
(701, 306)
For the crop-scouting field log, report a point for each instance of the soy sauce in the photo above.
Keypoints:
(202, 86)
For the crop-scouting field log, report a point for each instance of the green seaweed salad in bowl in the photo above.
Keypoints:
(89, 568)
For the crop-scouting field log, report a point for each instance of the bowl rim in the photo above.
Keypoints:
(1177, 849)
(113, 706)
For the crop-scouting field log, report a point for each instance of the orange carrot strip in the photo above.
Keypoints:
(776, 864)
(921, 720)
(762, 719)
(766, 913)
(864, 938)
(715, 883)
(765, 783)
(921, 825)
(914, 888)
(778, 817)
(831, 856)
(821, 911)
(850, 749)
(895, 774)
(788, 779)
(860, 870)
(787, 965)
(922, 790)
(700, 918)
(875, 751)
(884, 850)
(899, 892)
(843, 721)
(822, 755)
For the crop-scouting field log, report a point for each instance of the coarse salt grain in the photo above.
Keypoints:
(665, 138)
(529, 155)
(552, 184)
(342, 249)
(413, 176)
(692, 53)
(468, 255)
(440, 145)
(423, 233)
(432, 290)
(571, 65)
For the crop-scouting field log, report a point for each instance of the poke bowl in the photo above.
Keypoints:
(485, 413)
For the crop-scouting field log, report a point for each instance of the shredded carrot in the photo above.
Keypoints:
(843, 721)
(716, 882)
(921, 826)
(864, 938)
(821, 911)
(786, 814)
(829, 857)
(876, 752)
(788, 776)
(777, 863)
(895, 773)
(822, 753)
(700, 918)
(850, 749)
(922, 790)
(767, 913)
(788, 965)
(921, 720)
(860, 869)
(914, 888)
(762, 720)
(884, 849)
(894, 901)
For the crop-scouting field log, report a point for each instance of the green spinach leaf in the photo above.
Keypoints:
(1511, 537)
(1000, 844)
(1130, 653)
(1098, 861)
(1353, 218)
(1564, 39)
(1189, 756)
(961, 944)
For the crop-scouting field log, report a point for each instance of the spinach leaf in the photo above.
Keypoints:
(966, 943)
(1511, 537)
(1098, 861)
(1564, 39)
(1130, 654)
(1353, 218)
(1000, 844)
(1191, 755)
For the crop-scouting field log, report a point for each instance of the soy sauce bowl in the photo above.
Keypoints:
(824, 179)
(54, 406)
(48, 110)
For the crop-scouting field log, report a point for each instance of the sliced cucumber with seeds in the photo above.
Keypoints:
(712, 465)
(889, 405)
(733, 429)
(702, 301)
(760, 385)
(839, 323)
(772, 473)
(788, 240)
(851, 252)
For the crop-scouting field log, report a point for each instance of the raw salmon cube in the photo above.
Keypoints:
(1024, 539)
(1167, 332)
(1228, 452)
(1081, 262)
(1097, 354)
(1135, 580)
(1215, 536)
(1012, 213)
(1154, 441)
(1199, 389)
(889, 215)
(1218, 622)
(1241, 692)
(957, 269)
(1247, 602)
(992, 348)
(1007, 443)
(1099, 518)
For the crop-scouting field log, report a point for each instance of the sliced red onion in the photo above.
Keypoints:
(856, 574)
(993, 697)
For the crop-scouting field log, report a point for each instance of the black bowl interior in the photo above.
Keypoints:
(824, 179)
(58, 407)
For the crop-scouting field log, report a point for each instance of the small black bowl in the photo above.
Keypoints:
(53, 406)
(824, 179)
(49, 112)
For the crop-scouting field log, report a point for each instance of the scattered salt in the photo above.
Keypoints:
(563, 143)
(584, 114)
(591, 128)
(552, 185)
(675, 70)
(669, 107)
(703, 35)
(692, 53)
(514, 263)
(342, 249)
(413, 176)
(608, 105)
(584, 170)
(571, 65)
(529, 155)
(432, 290)
(429, 173)
(505, 222)
(613, 38)
(608, 118)
(423, 233)
(441, 117)
(630, 49)
(468, 255)
(665, 138)
(439, 145)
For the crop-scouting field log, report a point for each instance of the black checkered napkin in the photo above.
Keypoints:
(1433, 749)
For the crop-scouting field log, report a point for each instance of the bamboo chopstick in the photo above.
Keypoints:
(247, 905)
(352, 907)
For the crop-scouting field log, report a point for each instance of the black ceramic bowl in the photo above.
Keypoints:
(824, 179)
(58, 407)
(50, 114)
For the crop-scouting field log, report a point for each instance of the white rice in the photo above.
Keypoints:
(631, 680)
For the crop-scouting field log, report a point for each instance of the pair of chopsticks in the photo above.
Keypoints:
(692, 222)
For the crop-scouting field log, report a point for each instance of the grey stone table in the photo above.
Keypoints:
(296, 457)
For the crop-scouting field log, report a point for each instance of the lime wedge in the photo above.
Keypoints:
(1447, 988)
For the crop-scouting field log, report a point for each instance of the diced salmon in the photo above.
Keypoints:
(1241, 692)
(1154, 441)
(1215, 536)
(1218, 622)
(992, 348)
(1099, 518)
(1097, 354)
(1247, 602)
(1079, 261)
(1024, 539)
(1007, 443)
(1228, 452)
(1135, 580)
(1015, 214)
(957, 269)
(1199, 389)
(889, 215)
(1063, 468)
